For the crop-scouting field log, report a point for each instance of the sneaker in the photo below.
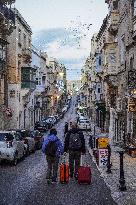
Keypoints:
(76, 177)
(71, 175)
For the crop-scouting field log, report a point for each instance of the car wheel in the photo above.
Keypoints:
(24, 154)
(27, 151)
(15, 160)
(33, 151)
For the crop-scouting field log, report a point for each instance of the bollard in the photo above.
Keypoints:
(94, 129)
(91, 141)
(122, 185)
(108, 162)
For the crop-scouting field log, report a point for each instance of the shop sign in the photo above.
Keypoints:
(102, 143)
(132, 104)
(103, 157)
(132, 79)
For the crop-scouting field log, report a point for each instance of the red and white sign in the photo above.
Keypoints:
(103, 157)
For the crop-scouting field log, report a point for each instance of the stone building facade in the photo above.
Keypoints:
(21, 75)
(7, 25)
(113, 61)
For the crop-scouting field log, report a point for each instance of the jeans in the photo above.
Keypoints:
(52, 169)
(74, 162)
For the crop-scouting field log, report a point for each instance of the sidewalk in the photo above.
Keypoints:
(112, 180)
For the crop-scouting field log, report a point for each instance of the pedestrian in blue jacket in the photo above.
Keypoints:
(53, 148)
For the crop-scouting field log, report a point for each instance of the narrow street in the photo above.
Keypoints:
(26, 183)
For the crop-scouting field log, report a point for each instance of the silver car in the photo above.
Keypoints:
(11, 147)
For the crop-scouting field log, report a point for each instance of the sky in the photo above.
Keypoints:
(63, 28)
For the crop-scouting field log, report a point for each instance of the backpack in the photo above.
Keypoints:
(51, 148)
(75, 142)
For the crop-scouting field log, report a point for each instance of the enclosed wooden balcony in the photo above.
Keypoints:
(28, 78)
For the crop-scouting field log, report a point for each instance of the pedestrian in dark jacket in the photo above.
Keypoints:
(66, 128)
(75, 145)
(52, 148)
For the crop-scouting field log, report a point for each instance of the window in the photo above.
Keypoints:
(24, 41)
(99, 90)
(19, 97)
(2, 52)
(134, 7)
(100, 61)
(115, 5)
(19, 36)
(131, 63)
(29, 43)
(122, 50)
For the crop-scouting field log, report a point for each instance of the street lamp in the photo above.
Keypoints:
(108, 162)
(122, 185)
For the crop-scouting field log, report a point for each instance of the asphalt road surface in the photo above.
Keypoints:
(26, 183)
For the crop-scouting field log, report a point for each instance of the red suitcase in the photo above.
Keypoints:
(64, 171)
(84, 173)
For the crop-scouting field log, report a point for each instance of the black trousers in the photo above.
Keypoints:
(52, 169)
(74, 162)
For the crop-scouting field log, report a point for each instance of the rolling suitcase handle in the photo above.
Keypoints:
(85, 161)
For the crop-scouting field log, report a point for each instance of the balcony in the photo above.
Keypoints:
(132, 79)
(113, 22)
(27, 55)
(7, 19)
(134, 28)
(7, 1)
(40, 88)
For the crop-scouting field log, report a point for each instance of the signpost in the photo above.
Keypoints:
(103, 143)
(103, 157)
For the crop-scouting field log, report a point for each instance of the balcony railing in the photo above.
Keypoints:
(27, 52)
(7, 13)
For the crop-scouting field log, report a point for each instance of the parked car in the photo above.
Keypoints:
(84, 124)
(48, 123)
(52, 119)
(57, 118)
(28, 140)
(38, 137)
(42, 126)
(11, 147)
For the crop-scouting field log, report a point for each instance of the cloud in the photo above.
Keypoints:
(64, 45)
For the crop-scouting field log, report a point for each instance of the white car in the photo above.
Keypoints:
(11, 147)
(84, 124)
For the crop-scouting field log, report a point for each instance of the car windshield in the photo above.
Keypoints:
(35, 133)
(6, 137)
(84, 121)
(24, 133)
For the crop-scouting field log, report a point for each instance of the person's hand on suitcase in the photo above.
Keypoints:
(65, 153)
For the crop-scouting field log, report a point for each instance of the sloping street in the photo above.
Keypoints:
(26, 183)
